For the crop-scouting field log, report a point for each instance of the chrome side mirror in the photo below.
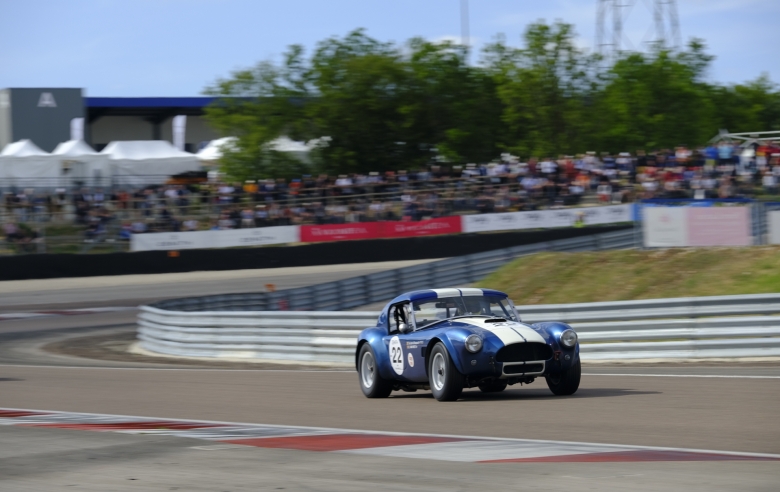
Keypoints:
(403, 327)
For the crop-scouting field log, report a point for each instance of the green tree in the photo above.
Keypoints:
(750, 107)
(256, 106)
(657, 100)
(450, 107)
(545, 87)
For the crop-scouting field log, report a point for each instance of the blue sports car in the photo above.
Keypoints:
(449, 339)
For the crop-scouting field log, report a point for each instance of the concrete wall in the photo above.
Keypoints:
(108, 128)
(196, 131)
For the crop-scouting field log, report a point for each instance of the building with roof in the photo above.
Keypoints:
(48, 116)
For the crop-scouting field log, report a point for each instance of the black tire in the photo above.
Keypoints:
(445, 380)
(493, 386)
(567, 382)
(372, 384)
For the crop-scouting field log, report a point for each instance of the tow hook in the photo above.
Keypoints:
(557, 357)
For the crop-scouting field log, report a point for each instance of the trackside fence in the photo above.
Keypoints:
(330, 337)
(304, 325)
(383, 286)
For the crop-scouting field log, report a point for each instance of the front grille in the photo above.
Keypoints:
(523, 368)
(523, 352)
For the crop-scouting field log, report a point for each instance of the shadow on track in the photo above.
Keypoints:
(535, 394)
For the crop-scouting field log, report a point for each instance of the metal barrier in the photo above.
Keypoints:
(330, 337)
(382, 286)
(250, 326)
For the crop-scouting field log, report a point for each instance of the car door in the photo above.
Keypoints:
(404, 347)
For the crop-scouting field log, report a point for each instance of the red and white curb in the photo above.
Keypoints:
(388, 444)
(62, 312)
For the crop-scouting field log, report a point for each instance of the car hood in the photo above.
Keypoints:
(508, 332)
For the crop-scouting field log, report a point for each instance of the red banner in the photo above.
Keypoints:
(443, 225)
(340, 232)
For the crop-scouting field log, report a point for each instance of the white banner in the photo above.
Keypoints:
(539, 219)
(258, 236)
(607, 215)
(215, 239)
(173, 241)
(773, 221)
(665, 227)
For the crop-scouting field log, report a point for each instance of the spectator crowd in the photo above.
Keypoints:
(721, 170)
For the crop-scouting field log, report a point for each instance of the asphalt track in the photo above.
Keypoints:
(721, 407)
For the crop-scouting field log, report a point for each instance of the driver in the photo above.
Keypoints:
(474, 306)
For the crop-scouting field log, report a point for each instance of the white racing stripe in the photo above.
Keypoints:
(471, 292)
(508, 332)
(441, 293)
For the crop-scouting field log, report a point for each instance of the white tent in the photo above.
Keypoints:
(74, 148)
(23, 163)
(213, 151)
(300, 150)
(142, 162)
(80, 163)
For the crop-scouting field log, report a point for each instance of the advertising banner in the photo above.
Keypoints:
(340, 232)
(539, 219)
(610, 214)
(719, 226)
(259, 236)
(214, 239)
(169, 241)
(665, 227)
(442, 225)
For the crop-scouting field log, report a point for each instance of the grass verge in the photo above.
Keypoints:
(555, 278)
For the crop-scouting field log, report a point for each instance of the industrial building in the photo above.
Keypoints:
(49, 116)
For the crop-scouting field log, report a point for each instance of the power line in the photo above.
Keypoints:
(611, 17)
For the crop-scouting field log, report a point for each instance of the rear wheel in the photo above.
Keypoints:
(445, 380)
(372, 384)
(493, 386)
(567, 382)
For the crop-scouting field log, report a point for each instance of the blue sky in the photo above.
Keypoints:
(177, 47)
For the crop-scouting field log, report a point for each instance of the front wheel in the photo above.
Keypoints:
(372, 384)
(567, 382)
(445, 379)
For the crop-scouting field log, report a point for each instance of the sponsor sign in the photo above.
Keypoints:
(665, 227)
(340, 232)
(611, 214)
(697, 226)
(493, 222)
(173, 241)
(443, 225)
(214, 239)
(773, 221)
(719, 226)
(259, 236)
(540, 219)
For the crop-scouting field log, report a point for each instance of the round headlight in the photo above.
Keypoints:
(473, 343)
(569, 338)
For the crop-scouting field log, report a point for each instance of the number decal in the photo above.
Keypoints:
(396, 355)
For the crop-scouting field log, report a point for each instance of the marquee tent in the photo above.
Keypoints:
(213, 151)
(299, 150)
(142, 162)
(23, 163)
(80, 162)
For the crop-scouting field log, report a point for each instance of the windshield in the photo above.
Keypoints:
(430, 311)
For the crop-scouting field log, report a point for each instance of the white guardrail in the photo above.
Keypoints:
(683, 328)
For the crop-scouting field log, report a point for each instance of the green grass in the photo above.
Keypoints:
(553, 278)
